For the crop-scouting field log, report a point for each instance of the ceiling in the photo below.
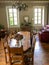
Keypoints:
(33, 1)
(9, 2)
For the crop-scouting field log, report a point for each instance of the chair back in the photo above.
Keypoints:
(16, 50)
(16, 55)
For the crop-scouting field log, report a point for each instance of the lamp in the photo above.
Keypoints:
(20, 5)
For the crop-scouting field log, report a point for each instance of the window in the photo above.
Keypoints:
(39, 15)
(13, 16)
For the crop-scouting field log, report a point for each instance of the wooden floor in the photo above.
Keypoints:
(41, 53)
(2, 54)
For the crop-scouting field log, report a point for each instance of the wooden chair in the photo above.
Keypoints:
(16, 56)
(6, 52)
(29, 57)
(5, 44)
(30, 53)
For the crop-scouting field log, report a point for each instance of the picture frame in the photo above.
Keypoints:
(26, 19)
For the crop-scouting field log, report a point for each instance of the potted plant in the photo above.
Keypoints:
(1, 27)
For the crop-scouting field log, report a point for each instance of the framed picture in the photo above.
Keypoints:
(26, 19)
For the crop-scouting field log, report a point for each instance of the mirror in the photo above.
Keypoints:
(26, 19)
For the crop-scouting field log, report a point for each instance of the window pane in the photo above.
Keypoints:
(39, 9)
(39, 21)
(11, 21)
(35, 13)
(35, 21)
(15, 14)
(15, 21)
(10, 15)
(10, 10)
(14, 10)
(39, 14)
(35, 10)
(39, 18)
(35, 18)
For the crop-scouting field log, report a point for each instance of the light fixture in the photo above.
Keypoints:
(20, 5)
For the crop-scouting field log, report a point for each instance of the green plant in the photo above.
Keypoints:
(1, 26)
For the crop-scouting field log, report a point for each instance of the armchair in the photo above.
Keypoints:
(44, 34)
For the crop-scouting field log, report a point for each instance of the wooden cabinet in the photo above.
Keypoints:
(26, 28)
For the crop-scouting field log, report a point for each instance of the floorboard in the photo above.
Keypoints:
(41, 53)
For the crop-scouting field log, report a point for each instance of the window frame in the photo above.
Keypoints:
(8, 22)
(42, 7)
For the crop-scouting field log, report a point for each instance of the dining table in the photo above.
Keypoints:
(24, 39)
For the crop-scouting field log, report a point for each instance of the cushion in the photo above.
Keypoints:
(47, 26)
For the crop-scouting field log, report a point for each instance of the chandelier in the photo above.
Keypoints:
(20, 5)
